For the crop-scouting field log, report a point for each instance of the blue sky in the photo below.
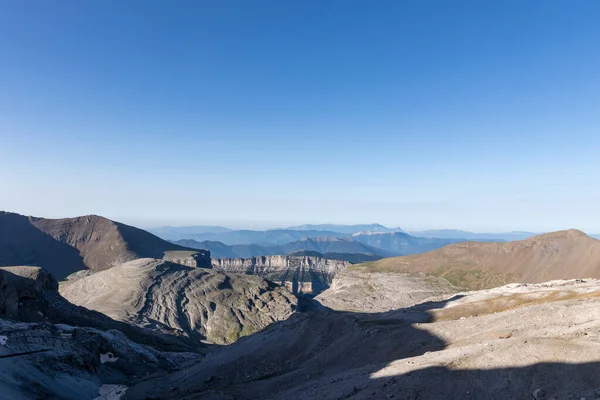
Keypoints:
(478, 115)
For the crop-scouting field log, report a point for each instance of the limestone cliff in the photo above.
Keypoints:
(300, 274)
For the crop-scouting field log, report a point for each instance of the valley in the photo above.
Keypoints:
(138, 317)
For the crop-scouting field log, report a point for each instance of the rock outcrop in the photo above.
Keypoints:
(358, 289)
(199, 303)
(64, 246)
(52, 349)
(30, 294)
(300, 274)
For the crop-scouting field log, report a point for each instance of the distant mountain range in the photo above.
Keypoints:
(372, 239)
(293, 233)
(176, 232)
(373, 244)
(344, 248)
(266, 238)
(458, 234)
(402, 243)
(347, 229)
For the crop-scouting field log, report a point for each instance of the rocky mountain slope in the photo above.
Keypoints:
(537, 341)
(202, 304)
(558, 255)
(51, 349)
(64, 246)
(301, 274)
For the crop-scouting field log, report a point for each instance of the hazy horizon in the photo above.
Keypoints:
(423, 115)
(261, 225)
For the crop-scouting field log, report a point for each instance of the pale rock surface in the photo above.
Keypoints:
(528, 337)
(200, 303)
(358, 289)
(43, 359)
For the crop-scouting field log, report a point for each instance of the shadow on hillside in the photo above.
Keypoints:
(327, 354)
(313, 344)
(22, 243)
(538, 381)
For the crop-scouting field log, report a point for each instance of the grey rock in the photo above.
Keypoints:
(300, 274)
(201, 304)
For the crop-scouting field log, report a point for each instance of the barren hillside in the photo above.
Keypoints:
(558, 255)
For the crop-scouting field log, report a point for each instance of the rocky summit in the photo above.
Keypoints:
(65, 246)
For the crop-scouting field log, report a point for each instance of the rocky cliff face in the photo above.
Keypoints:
(300, 274)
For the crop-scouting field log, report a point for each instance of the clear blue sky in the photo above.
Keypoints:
(481, 115)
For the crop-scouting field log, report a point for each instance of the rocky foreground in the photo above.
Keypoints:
(518, 341)
(51, 349)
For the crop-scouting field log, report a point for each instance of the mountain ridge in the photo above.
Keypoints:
(321, 245)
(67, 245)
(567, 254)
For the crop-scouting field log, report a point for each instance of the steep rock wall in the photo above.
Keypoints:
(300, 274)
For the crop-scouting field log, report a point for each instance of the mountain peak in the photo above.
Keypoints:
(568, 233)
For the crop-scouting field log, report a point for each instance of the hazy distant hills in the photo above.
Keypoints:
(333, 245)
(379, 240)
(247, 243)
(268, 237)
(344, 248)
(402, 243)
(458, 234)
(177, 232)
(347, 229)
(282, 236)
